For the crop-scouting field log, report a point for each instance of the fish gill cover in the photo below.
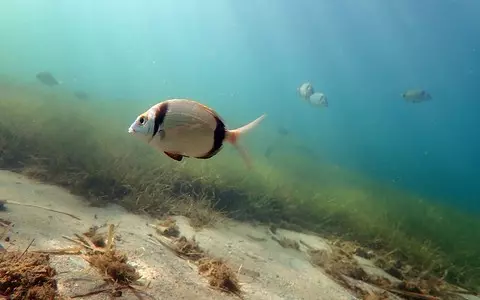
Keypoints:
(371, 167)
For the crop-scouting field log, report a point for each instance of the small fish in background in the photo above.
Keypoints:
(301, 149)
(81, 95)
(416, 96)
(186, 128)
(47, 79)
(306, 90)
(306, 151)
(282, 131)
(318, 99)
(269, 150)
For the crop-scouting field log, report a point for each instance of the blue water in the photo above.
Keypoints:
(248, 57)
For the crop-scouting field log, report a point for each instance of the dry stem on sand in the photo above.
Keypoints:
(220, 275)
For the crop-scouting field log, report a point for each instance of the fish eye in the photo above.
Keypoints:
(141, 120)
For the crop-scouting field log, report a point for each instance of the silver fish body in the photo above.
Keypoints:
(306, 90)
(186, 128)
(318, 99)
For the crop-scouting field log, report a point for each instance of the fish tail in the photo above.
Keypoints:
(232, 137)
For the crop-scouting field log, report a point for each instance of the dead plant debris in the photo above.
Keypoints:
(376, 296)
(188, 248)
(342, 267)
(168, 227)
(27, 275)
(219, 274)
(97, 238)
(99, 251)
(5, 223)
(319, 257)
(114, 265)
(286, 242)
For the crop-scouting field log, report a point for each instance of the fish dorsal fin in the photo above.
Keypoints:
(175, 156)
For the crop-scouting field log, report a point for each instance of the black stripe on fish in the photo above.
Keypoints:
(218, 137)
(159, 118)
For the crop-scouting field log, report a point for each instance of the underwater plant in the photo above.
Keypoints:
(77, 145)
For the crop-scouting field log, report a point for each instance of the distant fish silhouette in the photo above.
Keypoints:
(81, 95)
(318, 99)
(47, 79)
(416, 96)
(306, 151)
(306, 90)
(302, 149)
(282, 131)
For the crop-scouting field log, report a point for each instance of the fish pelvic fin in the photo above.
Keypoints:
(232, 136)
(174, 156)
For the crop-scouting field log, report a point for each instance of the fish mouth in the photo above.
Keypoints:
(131, 130)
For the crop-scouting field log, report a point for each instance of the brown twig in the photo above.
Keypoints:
(67, 251)
(87, 241)
(414, 295)
(4, 224)
(28, 247)
(110, 237)
(41, 207)
(83, 244)
(96, 292)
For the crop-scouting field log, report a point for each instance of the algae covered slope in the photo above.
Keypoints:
(52, 136)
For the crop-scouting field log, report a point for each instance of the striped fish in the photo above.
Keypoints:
(185, 128)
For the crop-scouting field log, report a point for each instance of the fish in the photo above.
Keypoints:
(306, 90)
(47, 79)
(318, 99)
(416, 96)
(186, 128)
(305, 151)
(269, 150)
(81, 95)
(282, 131)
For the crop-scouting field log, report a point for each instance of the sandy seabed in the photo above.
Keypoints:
(265, 269)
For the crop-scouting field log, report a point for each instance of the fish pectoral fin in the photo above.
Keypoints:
(175, 156)
(160, 134)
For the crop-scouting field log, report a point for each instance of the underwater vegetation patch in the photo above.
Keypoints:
(84, 147)
(25, 275)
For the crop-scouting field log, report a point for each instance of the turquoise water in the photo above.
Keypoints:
(245, 58)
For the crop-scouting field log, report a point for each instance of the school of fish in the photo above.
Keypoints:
(186, 128)
(307, 92)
